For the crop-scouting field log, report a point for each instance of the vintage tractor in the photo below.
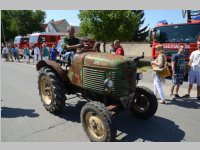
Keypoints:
(108, 83)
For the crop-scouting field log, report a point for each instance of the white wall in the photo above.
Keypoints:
(133, 48)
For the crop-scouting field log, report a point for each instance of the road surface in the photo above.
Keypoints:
(23, 118)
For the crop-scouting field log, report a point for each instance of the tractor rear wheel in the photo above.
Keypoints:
(51, 90)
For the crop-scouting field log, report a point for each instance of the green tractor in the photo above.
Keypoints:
(108, 83)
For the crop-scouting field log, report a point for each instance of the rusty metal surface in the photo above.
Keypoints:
(61, 73)
(75, 72)
(103, 60)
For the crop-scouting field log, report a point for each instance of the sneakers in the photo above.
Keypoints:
(186, 96)
(177, 96)
(161, 101)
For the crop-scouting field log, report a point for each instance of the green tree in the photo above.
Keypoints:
(141, 32)
(108, 25)
(21, 22)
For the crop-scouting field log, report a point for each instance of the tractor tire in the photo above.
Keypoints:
(51, 90)
(145, 103)
(97, 122)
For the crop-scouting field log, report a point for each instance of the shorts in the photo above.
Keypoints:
(194, 77)
(178, 79)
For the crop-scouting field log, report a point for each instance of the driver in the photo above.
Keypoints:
(70, 45)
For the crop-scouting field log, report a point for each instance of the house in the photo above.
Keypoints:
(59, 26)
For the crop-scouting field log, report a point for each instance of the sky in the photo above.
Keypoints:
(151, 16)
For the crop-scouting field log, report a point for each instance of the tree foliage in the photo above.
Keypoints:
(108, 25)
(141, 33)
(21, 22)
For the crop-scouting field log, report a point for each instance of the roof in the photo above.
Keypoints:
(179, 24)
(58, 22)
(60, 26)
(46, 33)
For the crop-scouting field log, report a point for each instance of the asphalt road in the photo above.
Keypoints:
(23, 117)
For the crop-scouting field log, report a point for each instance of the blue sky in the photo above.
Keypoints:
(151, 16)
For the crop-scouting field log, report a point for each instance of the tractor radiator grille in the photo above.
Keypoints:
(123, 82)
(93, 79)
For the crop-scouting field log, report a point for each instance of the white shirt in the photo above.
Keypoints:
(37, 51)
(5, 50)
(195, 57)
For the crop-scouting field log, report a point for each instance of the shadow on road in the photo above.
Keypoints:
(71, 112)
(187, 103)
(7, 112)
(155, 129)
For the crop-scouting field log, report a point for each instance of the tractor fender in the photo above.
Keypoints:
(55, 66)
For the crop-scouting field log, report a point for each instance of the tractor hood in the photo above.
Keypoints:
(104, 60)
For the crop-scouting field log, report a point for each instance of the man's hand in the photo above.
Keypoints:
(174, 74)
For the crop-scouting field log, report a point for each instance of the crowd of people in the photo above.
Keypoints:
(179, 70)
(11, 53)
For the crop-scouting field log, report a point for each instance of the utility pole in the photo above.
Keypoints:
(3, 33)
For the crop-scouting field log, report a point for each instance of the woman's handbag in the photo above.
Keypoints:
(162, 72)
(165, 72)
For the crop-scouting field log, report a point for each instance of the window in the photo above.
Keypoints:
(25, 40)
(17, 40)
(179, 33)
(52, 39)
(42, 39)
(33, 39)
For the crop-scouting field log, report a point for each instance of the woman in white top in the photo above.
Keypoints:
(159, 63)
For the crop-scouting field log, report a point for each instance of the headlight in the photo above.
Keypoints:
(139, 76)
(108, 84)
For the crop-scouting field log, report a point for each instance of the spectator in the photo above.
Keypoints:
(70, 45)
(61, 52)
(112, 49)
(118, 48)
(97, 47)
(10, 55)
(5, 52)
(15, 53)
(1, 49)
(178, 70)
(26, 54)
(53, 53)
(159, 64)
(32, 53)
(45, 52)
(194, 72)
(37, 54)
